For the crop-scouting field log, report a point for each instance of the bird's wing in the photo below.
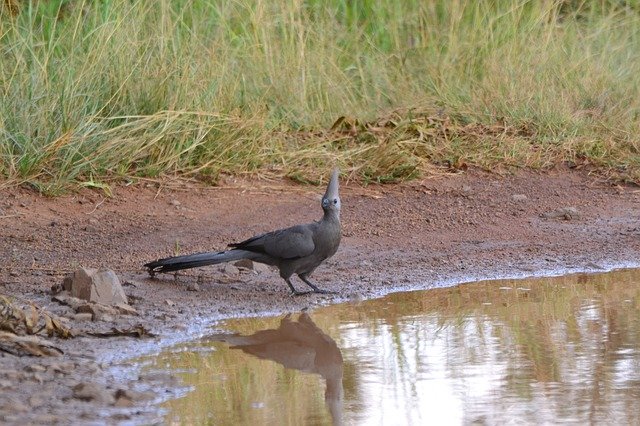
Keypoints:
(289, 243)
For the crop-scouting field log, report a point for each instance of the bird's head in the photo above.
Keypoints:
(331, 198)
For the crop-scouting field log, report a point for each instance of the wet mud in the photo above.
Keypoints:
(421, 235)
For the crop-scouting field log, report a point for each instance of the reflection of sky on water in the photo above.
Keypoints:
(418, 371)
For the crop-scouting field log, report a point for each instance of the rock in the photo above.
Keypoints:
(251, 265)
(229, 269)
(566, 213)
(593, 265)
(519, 197)
(193, 287)
(127, 397)
(175, 203)
(65, 299)
(88, 391)
(244, 263)
(102, 286)
(56, 288)
(36, 368)
(36, 401)
(61, 368)
(170, 302)
(260, 268)
(83, 317)
(13, 405)
(126, 309)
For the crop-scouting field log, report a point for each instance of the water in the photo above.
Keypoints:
(543, 351)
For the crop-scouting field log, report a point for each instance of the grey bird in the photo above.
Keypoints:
(296, 250)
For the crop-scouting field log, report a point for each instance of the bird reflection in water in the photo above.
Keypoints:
(299, 345)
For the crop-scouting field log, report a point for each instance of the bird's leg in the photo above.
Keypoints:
(295, 292)
(303, 277)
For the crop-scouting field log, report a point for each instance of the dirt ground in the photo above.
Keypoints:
(418, 235)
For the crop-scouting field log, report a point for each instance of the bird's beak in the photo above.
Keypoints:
(332, 188)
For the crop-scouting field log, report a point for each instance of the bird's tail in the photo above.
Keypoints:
(177, 263)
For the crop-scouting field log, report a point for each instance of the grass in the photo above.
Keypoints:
(99, 91)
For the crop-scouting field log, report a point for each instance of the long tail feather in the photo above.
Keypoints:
(177, 263)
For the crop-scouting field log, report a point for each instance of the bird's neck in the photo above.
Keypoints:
(331, 216)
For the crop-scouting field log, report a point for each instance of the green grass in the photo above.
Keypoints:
(97, 91)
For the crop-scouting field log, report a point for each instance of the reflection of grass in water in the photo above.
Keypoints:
(539, 330)
(535, 332)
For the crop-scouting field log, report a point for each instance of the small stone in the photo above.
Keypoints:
(126, 309)
(175, 203)
(593, 265)
(127, 397)
(519, 197)
(193, 287)
(14, 273)
(229, 269)
(85, 316)
(57, 288)
(14, 406)
(260, 268)
(92, 392)
(36, 368)
(251, 265)
(566, 213)
(170, 302)
(36, 401)
(244, 263)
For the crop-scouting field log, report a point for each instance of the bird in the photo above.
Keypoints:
(295, 250)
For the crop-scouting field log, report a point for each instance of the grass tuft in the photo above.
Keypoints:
(99, 91)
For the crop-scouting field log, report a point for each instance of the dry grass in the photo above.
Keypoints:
(99, 91)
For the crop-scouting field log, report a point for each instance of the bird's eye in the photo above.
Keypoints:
(335, 201)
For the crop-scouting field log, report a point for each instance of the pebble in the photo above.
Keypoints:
(88, 391)
(193, 287)
(85, 316)
(36, 368)
(519, 197)
(566, 213)
(229, 269)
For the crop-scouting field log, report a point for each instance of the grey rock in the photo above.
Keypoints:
(95, 285)
(193, 287)
(519, 197)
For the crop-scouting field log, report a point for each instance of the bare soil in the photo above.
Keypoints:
(419, 235)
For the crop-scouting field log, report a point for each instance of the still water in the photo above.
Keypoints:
(542, 351)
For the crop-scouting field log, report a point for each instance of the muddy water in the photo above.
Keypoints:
(531, 351)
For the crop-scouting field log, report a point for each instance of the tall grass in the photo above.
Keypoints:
(100, 90)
